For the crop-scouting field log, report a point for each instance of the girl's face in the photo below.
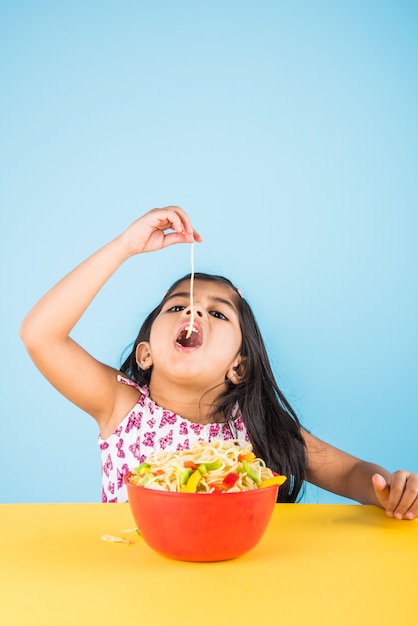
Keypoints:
(211, 352)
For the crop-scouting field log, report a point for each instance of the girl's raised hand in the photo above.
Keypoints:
(158, 229)
(398, 495)
(93, 386)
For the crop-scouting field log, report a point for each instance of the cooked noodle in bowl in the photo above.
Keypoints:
(220, 466)
(210, 503)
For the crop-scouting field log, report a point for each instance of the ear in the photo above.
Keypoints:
(236, 373)
(143, 355)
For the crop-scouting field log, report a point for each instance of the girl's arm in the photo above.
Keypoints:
(343, 474)
(45, 331)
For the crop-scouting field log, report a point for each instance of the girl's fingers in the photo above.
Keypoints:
(175, 237)
(196, 236)
(179, 220)
(397, 488)
(404, 501)
(382, 490)
(400, 497)
(158, 229)
(412, 512)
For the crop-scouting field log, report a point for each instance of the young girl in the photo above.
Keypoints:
(198, 370)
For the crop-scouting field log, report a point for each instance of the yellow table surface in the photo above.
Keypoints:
(316, 564)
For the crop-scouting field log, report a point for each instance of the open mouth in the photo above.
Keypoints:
(189, 340)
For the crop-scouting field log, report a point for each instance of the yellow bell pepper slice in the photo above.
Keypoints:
(192, 483)
(275, 480)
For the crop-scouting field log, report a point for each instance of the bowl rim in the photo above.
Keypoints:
(164, 492)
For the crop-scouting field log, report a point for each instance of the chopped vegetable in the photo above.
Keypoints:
(218, 486)
(190, 464)
(213, 465)
(145, 478)
(275, 480)
(248, 456)
(250, 472)
(185, 475)
(230, 479)
(227, 483)
(143, 466)
(192, 483)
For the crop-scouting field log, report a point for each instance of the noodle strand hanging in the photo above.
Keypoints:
(190, 327)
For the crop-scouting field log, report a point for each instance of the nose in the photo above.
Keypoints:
(197, 310)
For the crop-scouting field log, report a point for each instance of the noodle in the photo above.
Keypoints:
(219, 466)
(190, 327)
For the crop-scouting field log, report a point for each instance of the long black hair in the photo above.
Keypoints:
(272, 425)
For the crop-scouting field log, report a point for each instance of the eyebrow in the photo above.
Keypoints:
(186, 294)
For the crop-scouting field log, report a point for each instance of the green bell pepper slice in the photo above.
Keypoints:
(250, 472)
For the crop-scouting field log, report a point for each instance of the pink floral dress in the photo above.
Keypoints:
(149, 427)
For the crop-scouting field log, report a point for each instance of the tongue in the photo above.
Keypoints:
(188, 342)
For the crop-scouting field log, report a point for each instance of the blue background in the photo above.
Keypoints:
(288, 132)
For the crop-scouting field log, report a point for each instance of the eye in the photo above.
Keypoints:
(219, 315)
(176, 308)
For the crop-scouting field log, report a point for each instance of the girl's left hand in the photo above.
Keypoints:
(398, 494)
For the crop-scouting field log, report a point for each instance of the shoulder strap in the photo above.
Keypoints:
(128, 381)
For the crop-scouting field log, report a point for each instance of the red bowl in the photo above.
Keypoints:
(201, 526)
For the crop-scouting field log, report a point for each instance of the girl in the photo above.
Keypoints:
(195, 372)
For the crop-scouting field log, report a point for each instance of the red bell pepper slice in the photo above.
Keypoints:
(227, 483)
(230, 479)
